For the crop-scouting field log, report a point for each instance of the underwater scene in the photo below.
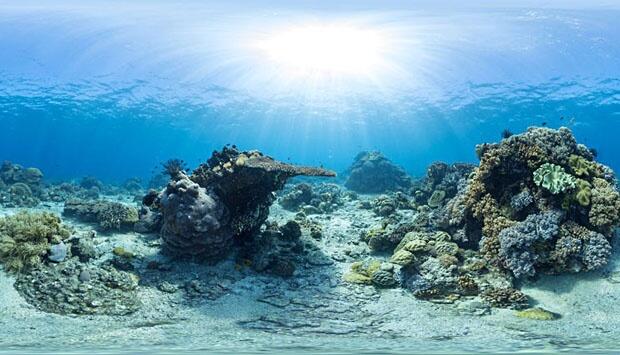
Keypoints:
(326, 177)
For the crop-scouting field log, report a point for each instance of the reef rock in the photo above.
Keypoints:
(320, 198)
(373, 173)
(276, 250)
(223, 200)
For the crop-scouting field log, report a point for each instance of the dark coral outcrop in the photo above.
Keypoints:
(373, 173)
(223, 200)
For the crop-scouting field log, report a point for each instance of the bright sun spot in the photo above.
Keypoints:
(325, 50)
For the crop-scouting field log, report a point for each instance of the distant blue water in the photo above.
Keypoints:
(112, 92)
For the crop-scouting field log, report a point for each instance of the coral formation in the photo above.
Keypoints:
(320, 198)
(191, 220)
(522, 245)
(387, 236)
(371, 272)
(225, 199)
(107, 215)
(527, 178)
(553, 178)
(440, 183)
(537, 203)
(20, 187)
(372, 172)
(276, 249)
(25, 238)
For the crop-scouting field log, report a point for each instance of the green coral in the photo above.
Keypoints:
(583, 194)
(362, 271)
(537, 314)
(580, 166)
(554, 178)
(26, 237)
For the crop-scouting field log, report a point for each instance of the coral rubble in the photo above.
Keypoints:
(76, 288)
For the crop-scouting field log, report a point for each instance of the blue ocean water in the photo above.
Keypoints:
(111, 91)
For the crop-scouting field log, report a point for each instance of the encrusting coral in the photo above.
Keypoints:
(25, 238)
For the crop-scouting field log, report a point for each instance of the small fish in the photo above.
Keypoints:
(506, 133)
(544, 124)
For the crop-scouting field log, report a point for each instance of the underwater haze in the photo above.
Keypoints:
(128, 130)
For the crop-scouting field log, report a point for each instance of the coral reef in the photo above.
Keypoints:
(372, 172)
(107, 215)
(25, 238)
(20, 187)
(537, 202)
(440, 183)
(225, 199)
(320, 198)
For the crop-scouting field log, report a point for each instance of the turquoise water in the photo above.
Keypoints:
(112, 90)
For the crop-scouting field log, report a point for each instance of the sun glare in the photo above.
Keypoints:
(325, 50)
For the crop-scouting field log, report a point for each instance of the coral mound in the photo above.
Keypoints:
(19, 186)
(539, 202)
(224, 199)
(108, 215)
(372, 173)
